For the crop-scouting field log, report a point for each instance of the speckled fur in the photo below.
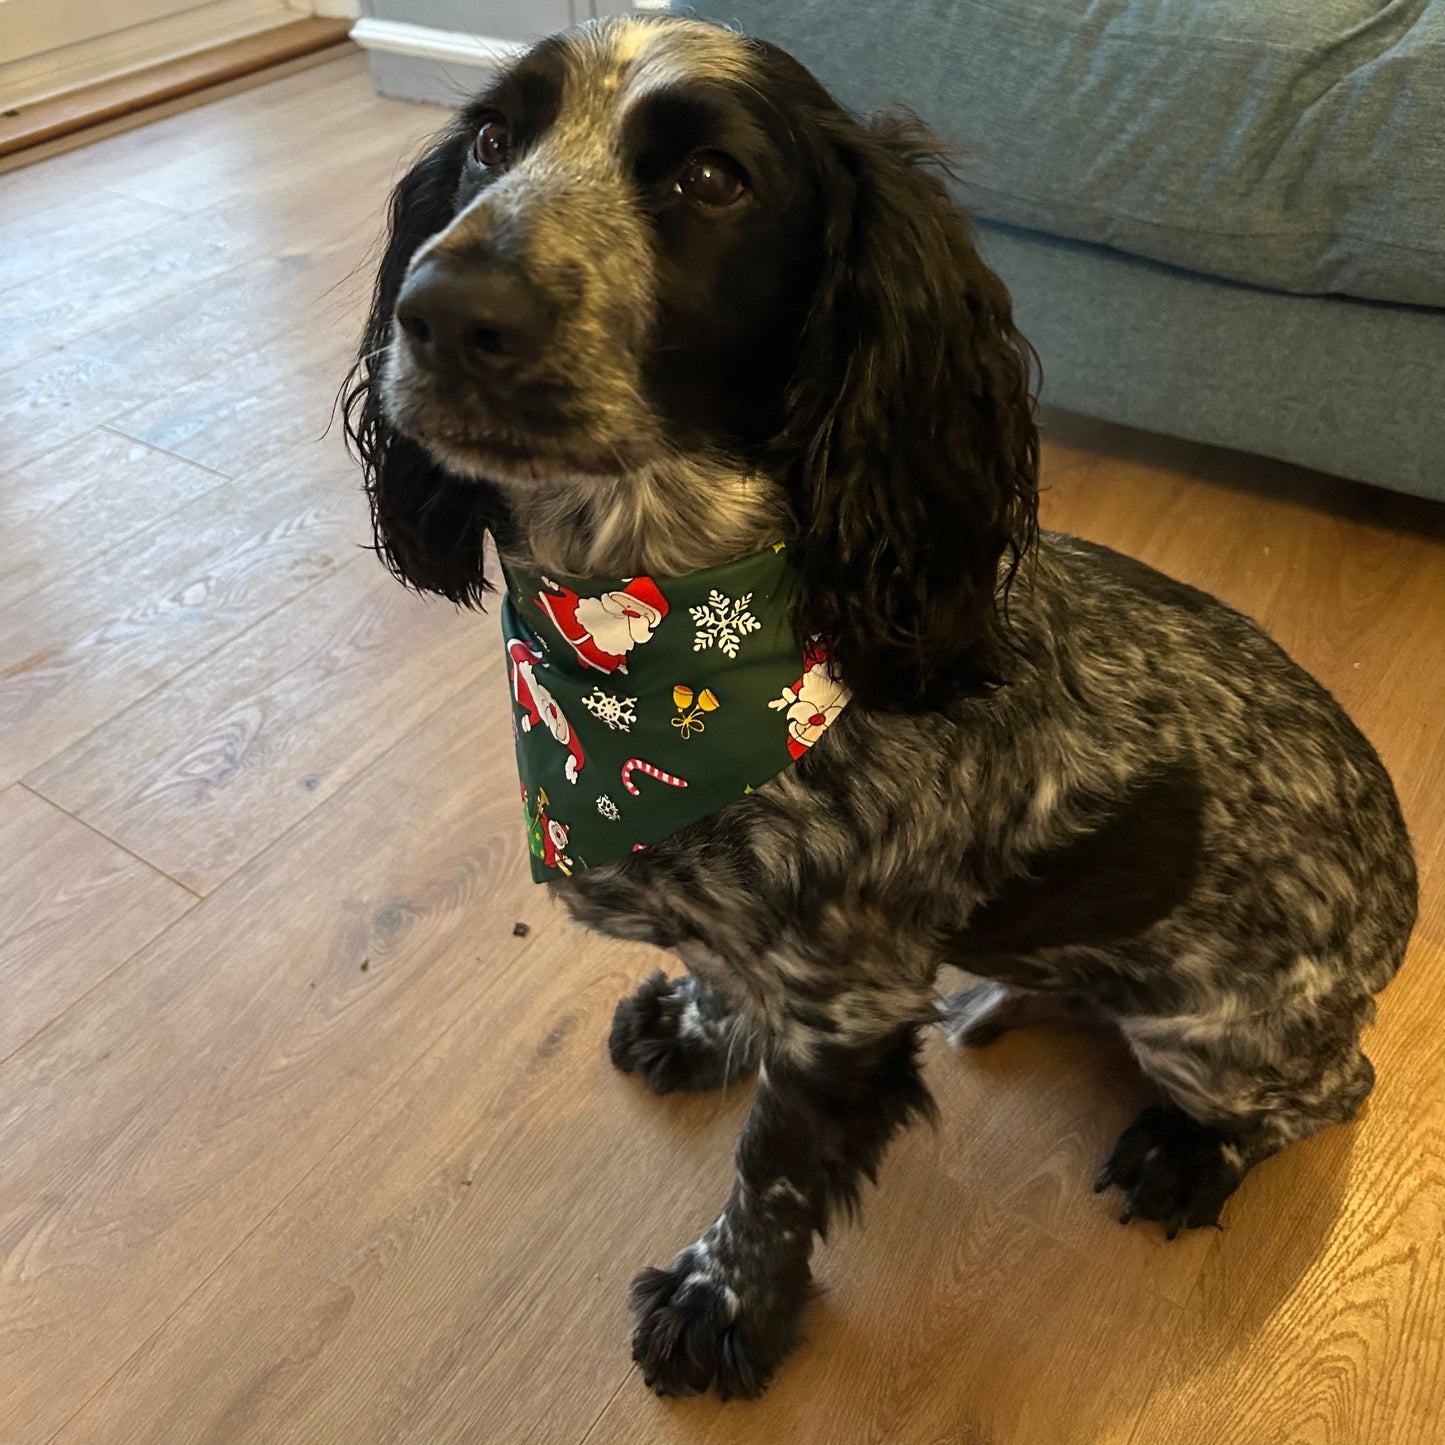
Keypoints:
(1139, 806)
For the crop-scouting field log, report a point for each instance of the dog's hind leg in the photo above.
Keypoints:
(1179, 1162)
(681, 1034)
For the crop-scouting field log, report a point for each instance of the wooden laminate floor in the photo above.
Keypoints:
(300, 1145)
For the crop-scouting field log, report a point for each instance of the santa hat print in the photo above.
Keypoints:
(814, 655)
(647, 592)
(522, 653)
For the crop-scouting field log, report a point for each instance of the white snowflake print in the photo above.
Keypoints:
(608, 808)
(723, 623)
(617, 712)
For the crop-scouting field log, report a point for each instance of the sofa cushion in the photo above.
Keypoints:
(1296, 144)
(1328, 382)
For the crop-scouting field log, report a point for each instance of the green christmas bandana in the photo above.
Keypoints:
(643, 704)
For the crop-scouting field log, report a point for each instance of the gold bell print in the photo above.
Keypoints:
(691, 708)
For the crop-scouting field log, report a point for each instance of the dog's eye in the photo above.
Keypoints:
(493, 145)
(712, 179)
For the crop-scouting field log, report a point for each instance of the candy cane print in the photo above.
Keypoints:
(636, 765)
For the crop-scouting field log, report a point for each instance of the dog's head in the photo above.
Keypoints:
(653, 240)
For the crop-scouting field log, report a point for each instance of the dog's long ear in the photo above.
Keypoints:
(912, 438)
(429, 526)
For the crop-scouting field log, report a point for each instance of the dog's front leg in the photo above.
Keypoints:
(726, 1310)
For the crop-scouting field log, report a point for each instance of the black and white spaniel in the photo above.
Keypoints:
(655, 301)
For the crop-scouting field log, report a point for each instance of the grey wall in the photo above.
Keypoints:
(505, 19)
(444, 82)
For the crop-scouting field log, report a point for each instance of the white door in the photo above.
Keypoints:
(53, 45)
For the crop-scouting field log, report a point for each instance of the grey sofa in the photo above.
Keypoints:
(1220, 219)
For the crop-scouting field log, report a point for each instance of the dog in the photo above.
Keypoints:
(655, 301)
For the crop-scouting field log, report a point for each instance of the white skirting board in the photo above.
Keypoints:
(417, 62)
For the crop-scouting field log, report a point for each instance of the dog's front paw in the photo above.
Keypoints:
(1172, 1169)
(662, 1032)
(695, 1331)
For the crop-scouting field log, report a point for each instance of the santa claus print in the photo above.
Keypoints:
(812, 702)
(603, 630)
(554, 844)
(537, 703)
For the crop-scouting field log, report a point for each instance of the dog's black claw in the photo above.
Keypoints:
(1173, 1170)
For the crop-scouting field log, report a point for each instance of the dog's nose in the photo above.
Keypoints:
(472, 314)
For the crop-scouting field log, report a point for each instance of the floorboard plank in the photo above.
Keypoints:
(156, 1125)
(412, 1311)
(422, 1278)
(104, 375)
(60, 513)
(206, 771)
(194, 250)
(73, 657)
(73, 907)
(247, 412)
(33, 245)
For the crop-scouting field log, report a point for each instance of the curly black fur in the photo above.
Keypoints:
(911, 442)
(428, 526)
(906, 433)
(1101, 790)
